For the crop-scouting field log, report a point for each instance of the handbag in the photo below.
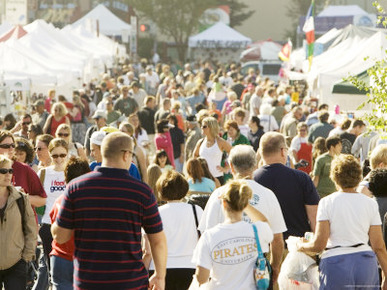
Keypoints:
(262, 268)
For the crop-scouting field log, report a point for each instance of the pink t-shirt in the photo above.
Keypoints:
(164, 141)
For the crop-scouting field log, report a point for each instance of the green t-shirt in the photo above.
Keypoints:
(322, 168)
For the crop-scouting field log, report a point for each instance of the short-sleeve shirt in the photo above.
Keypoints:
(263, 199)
(126, 106)
(229, 251)
(106, 209)
(322, 169)
(206, 185)
(350, 216)
(294, 189)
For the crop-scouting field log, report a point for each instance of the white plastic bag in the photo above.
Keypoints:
(298, 271)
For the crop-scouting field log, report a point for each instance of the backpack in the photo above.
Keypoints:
(347, 146)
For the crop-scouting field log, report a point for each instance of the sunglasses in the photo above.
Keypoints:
(6, 170)
(63, 134)
(26, 123)
(7, 146)
(55, 156)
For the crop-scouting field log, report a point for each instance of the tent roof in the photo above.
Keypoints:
(262, 50)
(109, 23)
(219, 35)
(341, 10)
(16, 32)
(346, 87)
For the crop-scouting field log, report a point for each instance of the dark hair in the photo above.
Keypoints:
(24, 145)
(161, 153)
(323, 116)
(323, 107)
(195, 170)
(75, 167)
(36, 129)
(378, 182)
(172, 186)
(161, 124)
(319, 147)
(10, 118)
(358, 123)
(256, 120)
(174, 118)
(332, 141)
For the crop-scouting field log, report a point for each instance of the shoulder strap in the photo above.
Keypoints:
(22, 209)
(260, 253)
(196, 220)
(42, 176)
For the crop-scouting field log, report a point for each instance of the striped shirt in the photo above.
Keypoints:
(107, 209)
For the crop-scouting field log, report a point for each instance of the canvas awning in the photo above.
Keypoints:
(346, 87)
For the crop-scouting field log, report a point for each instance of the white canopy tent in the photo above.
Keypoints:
(351, 56)
(108, 23)
(219, 35)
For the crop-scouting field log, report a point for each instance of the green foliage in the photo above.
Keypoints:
(376, 88)
(177, 19)
(238, 12)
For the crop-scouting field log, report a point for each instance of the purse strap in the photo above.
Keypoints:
(196, 220)
(259, 249)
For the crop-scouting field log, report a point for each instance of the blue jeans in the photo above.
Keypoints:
(61, 273)
(351, 271)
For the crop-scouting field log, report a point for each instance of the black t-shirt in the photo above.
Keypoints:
(177, 137)
(238, 89)
(147, 119)
(255, 138)
(294, 189)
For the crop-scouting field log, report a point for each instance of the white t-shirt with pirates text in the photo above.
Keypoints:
(229, 251)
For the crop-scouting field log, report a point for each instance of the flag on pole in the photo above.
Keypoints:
(285, 52)
(309, 32)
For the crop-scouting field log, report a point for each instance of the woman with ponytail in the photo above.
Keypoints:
(229, 249)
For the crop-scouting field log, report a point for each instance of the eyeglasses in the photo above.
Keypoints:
(285, 148)
(63, 134)
(302, 130)
(204, 127)
(6, 170)
(39, 148)
(130, 151)
(26, 123)
(55, 156)
(7, 146)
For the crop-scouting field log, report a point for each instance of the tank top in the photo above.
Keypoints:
(55, 124)
(213, 156)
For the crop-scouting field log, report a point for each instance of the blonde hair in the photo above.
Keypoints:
(237, 195)
(61, 109)
(114, 143)
(63, 126)
(154, 172)
(57, 142)
(378, 156)
(212, 124)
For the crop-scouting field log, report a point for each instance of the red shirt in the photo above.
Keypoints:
(55, 124)
(164, 141)
(66, 250)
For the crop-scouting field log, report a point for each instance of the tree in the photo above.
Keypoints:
(178, 19)
(376, 88)
(237, 11)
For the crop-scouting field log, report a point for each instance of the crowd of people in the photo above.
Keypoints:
(153, 175)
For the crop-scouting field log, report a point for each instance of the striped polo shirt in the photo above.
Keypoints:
(106, 209)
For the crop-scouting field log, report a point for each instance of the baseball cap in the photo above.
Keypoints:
(191, 119)
(97, 137)
(99, 114)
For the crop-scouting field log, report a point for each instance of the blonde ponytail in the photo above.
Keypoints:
(237, 195)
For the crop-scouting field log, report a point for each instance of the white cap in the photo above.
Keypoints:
(100, 114)
(97, 137)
